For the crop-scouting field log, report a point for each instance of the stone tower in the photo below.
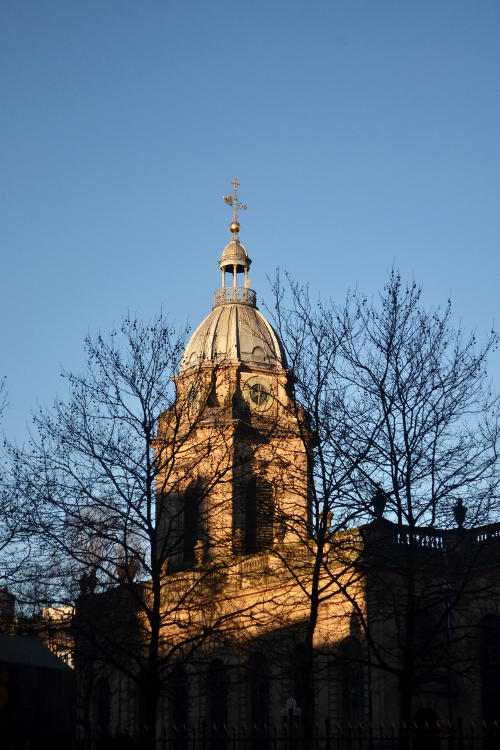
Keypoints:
(239, 474)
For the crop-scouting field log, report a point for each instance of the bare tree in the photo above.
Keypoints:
(383, 401)
(424, 384)
(108, 472)
(3, 397)
(326, 413)
(14, 521)
(397, 416)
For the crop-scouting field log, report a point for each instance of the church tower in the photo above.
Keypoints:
(238, 480)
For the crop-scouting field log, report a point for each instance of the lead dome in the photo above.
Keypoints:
(234, 332)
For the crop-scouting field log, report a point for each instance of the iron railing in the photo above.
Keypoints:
(290, 735)
(235, 294)
(337, 736)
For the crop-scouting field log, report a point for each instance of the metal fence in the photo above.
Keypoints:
(328, 736)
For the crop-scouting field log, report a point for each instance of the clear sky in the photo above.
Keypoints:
(363, 134)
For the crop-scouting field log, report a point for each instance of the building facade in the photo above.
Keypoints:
(238, 555)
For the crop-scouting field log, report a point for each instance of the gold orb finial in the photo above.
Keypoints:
(232, 200)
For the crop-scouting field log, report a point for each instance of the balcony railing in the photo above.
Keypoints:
(441, 539)
(235, 294)
(430, 538)
(485, 533)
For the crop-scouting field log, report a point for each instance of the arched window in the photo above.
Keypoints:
(192, 501)
(217, 692)
(351, 682)
(102, 706)
(259, 699)
(302, 688)
(490, 667)
(265, 514)
(250, 535)
(429, 640)
(301, 695)
(259, 515)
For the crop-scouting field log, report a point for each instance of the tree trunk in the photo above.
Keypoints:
(308, 675)
(151, 712)
(152, 676)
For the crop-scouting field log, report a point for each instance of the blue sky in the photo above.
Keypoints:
(364, 134)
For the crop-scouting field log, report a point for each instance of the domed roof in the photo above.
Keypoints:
(234, 333)
(235, 254)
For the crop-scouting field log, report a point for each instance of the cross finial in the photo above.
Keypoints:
(232, 200)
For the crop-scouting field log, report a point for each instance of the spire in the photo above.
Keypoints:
(232, 200)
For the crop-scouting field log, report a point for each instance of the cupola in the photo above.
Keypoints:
(235, 330)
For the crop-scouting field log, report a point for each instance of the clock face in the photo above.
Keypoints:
(258, 393)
